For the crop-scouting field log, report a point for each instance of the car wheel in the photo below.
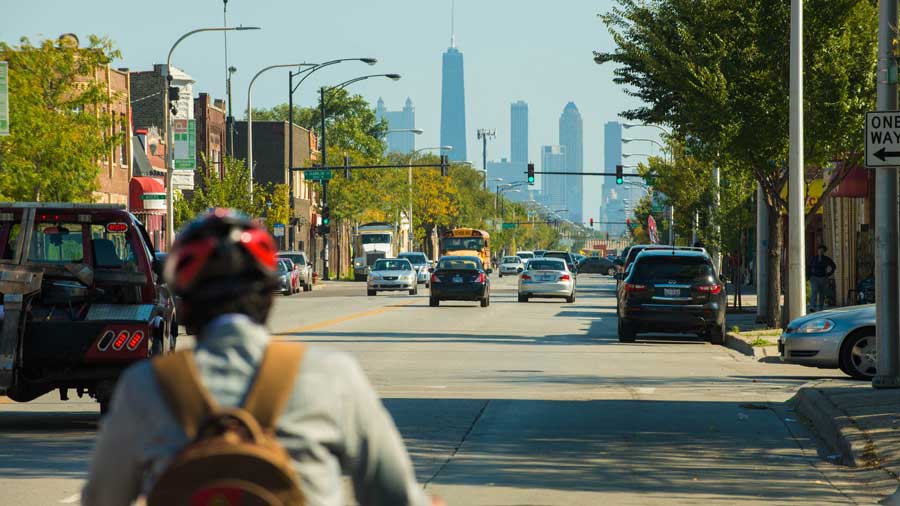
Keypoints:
(571, 298)
(716, 334)
(434, 302)
(858, 357)
(371, 293)
(286, 293)
(523, 298)
(486, 301)
(627, 332)
(611, 271)
(414, 291)
(307, 287)
(500, 275)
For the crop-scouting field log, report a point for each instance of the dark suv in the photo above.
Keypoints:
(672, 291)
(566, 257)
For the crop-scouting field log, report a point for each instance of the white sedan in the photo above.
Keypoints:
(392, 275)
(547, 277)
(511, 265)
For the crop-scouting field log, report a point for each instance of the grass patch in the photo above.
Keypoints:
(760, 342)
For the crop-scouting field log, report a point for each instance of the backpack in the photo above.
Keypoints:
(233, 458)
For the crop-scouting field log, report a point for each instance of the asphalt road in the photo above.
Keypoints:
(522, 404)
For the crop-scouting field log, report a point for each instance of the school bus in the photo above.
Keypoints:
(468, 241)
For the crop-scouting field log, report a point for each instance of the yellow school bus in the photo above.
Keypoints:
(469, 242)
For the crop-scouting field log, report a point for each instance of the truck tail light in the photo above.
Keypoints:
(120, 340)
(135, 340)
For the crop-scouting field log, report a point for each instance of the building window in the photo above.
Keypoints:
(123, 148)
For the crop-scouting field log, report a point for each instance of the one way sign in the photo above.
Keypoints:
(883, 139)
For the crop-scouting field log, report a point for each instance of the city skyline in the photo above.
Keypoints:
(518, 132)
(404, 119)
(571, 136)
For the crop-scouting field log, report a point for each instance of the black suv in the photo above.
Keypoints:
(567, 257)
(672, 290)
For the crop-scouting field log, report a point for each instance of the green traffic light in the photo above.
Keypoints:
(620, 180)
(530, 179)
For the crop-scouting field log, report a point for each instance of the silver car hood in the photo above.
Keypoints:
(849, 313)
(393, 273)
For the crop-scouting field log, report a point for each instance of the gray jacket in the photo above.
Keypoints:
(333, 425)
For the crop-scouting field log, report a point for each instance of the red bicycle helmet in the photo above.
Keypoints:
(223, 245)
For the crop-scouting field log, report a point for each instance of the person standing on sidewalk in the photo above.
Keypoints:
(821, 268)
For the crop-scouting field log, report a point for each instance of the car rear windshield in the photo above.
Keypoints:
(296, 258)
(525, 255)
(551, 254)
(459, 264)
(546, 265)
(391, 265)
(63, 242)
(673, 267)
(511, 260)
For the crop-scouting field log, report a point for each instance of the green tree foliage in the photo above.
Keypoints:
(58, 126)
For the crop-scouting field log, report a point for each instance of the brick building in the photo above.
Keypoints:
(115, 168)
(270, 156)
(210, 117)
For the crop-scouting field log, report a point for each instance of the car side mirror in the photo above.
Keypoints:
(619, 276)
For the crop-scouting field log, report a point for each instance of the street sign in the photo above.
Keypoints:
(508, 226)
(883, 139)
(4, 98)
(278, 230)
(317, 175)
(185, 134)
(154, 201)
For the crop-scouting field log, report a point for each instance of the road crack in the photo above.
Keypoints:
(461, 442)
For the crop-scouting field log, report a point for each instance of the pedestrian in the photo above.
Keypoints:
(331, 421)
(820, 270)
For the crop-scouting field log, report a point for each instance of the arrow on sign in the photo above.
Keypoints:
(882, 154)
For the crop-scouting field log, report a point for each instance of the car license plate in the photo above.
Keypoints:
(671, 292)
(548, 277)
(457, 279)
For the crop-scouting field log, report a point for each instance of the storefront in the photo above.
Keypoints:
(147, 201)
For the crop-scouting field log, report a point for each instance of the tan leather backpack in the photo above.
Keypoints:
(233, 458)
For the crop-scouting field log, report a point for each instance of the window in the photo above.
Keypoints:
(123, 148)
(376, 238)
(415, 258)
(57, 243)
(392, 265)
(676, 268)
(9, 235)
(463, 264)
(112, 250)
(463, 243)
(511, 260)
(546, 265)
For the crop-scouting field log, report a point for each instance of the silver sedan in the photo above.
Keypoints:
(392, 275)
(546, 277)
(835, 339)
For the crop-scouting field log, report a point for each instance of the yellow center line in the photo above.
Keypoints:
(342, 319)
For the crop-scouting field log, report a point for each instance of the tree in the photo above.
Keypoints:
(717, 72)
(58, 129)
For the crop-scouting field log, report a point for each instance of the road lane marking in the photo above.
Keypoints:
(342, 319)
(72, 499)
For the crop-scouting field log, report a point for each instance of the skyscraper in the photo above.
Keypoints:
(400, 142)
(613, 209)
(553, 187)
(518, 128)
(571, 136)
(453, 101)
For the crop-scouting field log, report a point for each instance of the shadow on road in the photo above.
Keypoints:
(39, 443)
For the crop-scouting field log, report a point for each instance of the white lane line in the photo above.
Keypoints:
(72, 499)
(646, 390)
(435, 386)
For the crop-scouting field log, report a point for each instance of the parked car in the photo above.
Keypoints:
(566, 256)
(597, 265)
(511, 265)
(392, 275)
(525, 255)
(420, 263)
(84, 299)
(460, 278)
(286, 278)
(842, 338)
(302, 266)
(672, 291)
(171, 300)
(547, 277)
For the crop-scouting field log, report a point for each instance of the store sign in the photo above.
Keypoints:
(184, 132)
(154, 201)
(4, 98)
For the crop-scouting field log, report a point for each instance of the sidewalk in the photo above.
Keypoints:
(861, 425)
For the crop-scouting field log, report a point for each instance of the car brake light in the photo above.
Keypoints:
(117, 227)
(435, 278)
(120, 340)
(482, 278)
(565, 277)
(710, 289)
(526, 277)
(631, 288)
(135, 340)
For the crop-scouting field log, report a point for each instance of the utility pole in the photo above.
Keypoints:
(671, 225)
(796, 200)
(762, 255)
(229, 119)
(887, 320)
(483, 135)
(717, 229)
(324, 184)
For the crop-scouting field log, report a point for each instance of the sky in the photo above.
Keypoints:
(527, 50)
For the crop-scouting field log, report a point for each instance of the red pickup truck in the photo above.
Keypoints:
(82, 299)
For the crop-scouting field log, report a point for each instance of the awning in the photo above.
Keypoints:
(146, 195)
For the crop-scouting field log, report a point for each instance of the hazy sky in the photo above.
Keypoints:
(529, 50)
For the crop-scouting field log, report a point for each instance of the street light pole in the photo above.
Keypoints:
(170, 155)
(483, 135)
(887, 326)
(409, 216)
(796, 200)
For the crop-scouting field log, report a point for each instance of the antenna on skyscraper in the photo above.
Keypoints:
(452, 23)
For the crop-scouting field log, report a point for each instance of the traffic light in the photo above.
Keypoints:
(530, 173)
(592, 222)
(445, 165)
(174, 95)
(326, 216)
(346, 167)
(620, 178)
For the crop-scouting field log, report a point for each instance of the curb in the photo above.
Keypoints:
(759, 352)
(834, 427)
